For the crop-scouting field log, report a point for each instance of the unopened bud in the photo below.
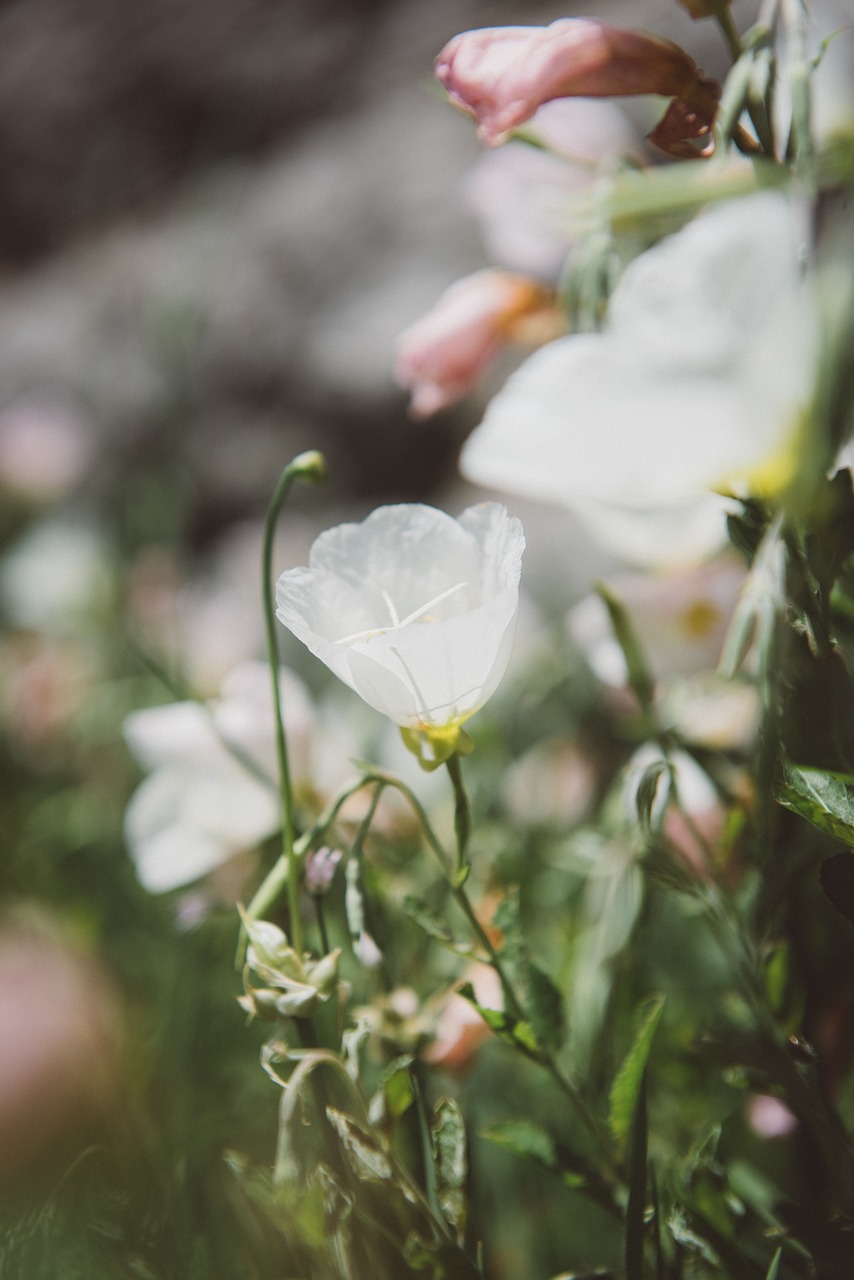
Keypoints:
(502, 75)
(320, 867)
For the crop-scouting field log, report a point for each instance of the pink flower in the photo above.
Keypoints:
(503, 74)
(441, 356)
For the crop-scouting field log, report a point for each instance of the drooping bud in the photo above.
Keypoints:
(501, 75)
(441, 356)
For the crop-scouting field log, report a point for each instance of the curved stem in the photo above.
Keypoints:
(310, 467)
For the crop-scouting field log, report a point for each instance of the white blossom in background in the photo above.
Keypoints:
(56, 575)
(699, 385)
(211, 791)
(519, 192)
(412, 609)
(680, 618)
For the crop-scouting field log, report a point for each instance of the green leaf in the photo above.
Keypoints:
(647, 792)
(545, 1005)
(774, 1268)
(528, 1140)
(395, 1095)
(524, 1138)
(823, 799)
(640, 676)
(507, 1028)
(627, 1084)
(434, 927)
(818, 707)
(450, 1161)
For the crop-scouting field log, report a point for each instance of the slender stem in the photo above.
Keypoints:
(311, 468)
(724, 19)
(462, 815)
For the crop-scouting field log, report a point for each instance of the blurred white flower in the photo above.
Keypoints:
(680, 618)
(413, 610)
(553, 783)
(519, 192)
(211, 791)
(54, 576)
(699, 384)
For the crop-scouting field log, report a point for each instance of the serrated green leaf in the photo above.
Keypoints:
(824, 799)
(627, 1084)
(450, 1162)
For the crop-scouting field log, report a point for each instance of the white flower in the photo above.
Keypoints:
(211, 791)
(699, 383)
(680, 619)
(413, 610)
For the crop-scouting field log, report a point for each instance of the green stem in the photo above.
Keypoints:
(514, 1004)
(276, 878)
(723, 15)
(310, 467)
(462, 815)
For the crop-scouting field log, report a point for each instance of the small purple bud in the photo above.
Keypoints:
(320, 867)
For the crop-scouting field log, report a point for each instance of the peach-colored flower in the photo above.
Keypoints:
(441, 356)
(460, 1029)
(503, 74)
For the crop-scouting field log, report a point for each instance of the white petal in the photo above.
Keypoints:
(411, 608)
(433, 674)
(700, 380)
(176, 731)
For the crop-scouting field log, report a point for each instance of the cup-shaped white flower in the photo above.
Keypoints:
(700, 383)
(414, 610)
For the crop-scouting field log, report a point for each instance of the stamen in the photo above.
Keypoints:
(396, 622)
(413, 617)
(364, 635)
(389, 604)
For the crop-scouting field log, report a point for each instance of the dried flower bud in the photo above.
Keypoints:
(503, 74)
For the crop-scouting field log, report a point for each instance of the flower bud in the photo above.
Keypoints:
(503, 74)
(320, 867)
(441, 356)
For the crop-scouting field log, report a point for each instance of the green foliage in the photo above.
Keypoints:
(628, 1083)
